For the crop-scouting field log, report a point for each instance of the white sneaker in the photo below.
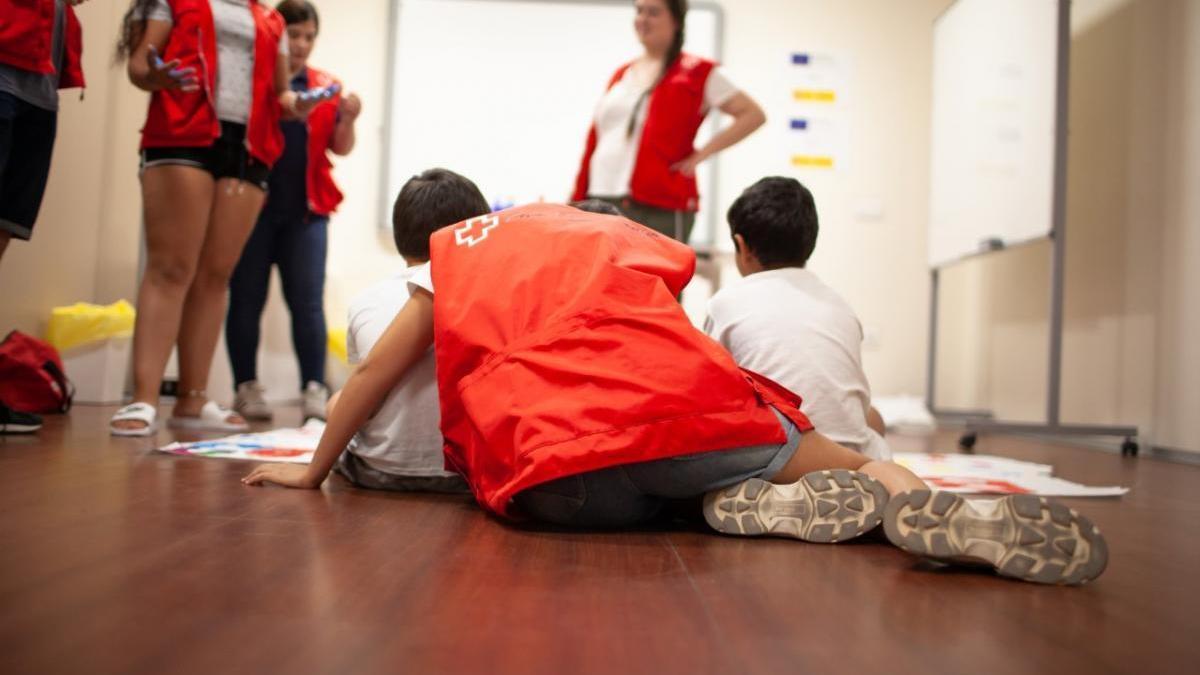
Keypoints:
(1022, 536)
(823, 507)
(316, 395)
(249, 402)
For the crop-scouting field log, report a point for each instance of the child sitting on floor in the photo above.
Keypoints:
(400, 446)
(574, 390)
(782, 321)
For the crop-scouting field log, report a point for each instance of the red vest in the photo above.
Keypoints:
(323, 193)
(189, 119)
(26, 36)
(675, 111)
(561, 349)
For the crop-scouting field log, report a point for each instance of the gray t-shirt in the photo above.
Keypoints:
(35, 88)
(234, 26)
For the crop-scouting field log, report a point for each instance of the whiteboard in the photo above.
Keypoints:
(995, 84)
(504, 92)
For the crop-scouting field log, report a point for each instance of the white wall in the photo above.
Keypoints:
(1133, 231)
(1132, 313)
(94, 205)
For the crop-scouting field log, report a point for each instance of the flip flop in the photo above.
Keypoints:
(212, 417)
(134, 412)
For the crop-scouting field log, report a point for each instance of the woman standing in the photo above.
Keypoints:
(210, 138)
(292, 231)
(640, 152)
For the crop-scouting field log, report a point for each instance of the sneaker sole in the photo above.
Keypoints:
(823, 507)
(19, 428)
(1022, 536)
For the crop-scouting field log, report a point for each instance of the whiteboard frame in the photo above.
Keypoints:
(1058, 152)
(979, 421)
(709, 189)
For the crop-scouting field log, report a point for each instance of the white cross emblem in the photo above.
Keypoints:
(475, 230)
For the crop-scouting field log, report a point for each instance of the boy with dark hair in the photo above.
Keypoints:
(400, 447)
(783, 322)
(574, 390)
(597, 206)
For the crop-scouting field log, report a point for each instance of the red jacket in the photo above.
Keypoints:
(561, 349)
(26, 31)
(323, 193)
(189, 119)
(675, 111)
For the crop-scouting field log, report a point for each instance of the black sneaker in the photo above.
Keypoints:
(13, 422)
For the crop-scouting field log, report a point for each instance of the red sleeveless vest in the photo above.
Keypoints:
(25, 40)
(675, 111)
(561, 349)
(323, 193)
(189, 119)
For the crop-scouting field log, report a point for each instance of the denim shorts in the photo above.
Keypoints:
(630, 494)
(363, 475)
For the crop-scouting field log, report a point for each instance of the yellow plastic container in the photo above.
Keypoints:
(82, 323)
(94, 342)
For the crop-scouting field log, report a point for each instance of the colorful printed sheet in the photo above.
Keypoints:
(975, 474)
(295, 446)
(988, 474)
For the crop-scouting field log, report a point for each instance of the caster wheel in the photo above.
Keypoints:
(1129, 448)
(967, 441)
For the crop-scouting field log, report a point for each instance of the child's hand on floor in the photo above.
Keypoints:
(287, 475)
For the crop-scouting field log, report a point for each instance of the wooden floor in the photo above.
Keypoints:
(116, 559)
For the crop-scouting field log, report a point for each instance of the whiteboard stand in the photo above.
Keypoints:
(978, 422)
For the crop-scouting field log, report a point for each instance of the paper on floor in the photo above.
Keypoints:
(988, 474)
(295, 446)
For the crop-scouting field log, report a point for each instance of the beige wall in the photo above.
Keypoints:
(88, 235)
(1134, 153)
(1133, 226)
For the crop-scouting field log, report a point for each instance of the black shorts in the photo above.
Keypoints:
(227, 157)
(26, 143)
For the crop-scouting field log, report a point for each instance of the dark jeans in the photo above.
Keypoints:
(632, 494)
(26, 143)
(298, 247)
(675, 224)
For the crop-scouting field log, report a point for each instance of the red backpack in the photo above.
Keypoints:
(31, 376)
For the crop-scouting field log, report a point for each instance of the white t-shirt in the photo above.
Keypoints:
(403, 437)
(234, 26)
(421, 276)
(788, 325)
(612, 163)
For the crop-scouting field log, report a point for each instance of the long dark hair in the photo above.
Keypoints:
(132, 28)
(678, 10)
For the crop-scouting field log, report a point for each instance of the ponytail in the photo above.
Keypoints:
(133, 26)
(678, 9)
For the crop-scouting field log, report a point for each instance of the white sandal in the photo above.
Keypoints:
(134, 412)
(212, 417)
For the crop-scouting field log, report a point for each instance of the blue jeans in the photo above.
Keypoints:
(298, 247)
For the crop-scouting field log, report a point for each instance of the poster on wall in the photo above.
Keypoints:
(819, 118)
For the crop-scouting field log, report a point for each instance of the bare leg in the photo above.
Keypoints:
(816, 453)
(4, 237)
(875, 421)
(815, 497)
(235, 208)
(176, 204)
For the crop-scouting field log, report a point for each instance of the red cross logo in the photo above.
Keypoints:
(475, 230)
